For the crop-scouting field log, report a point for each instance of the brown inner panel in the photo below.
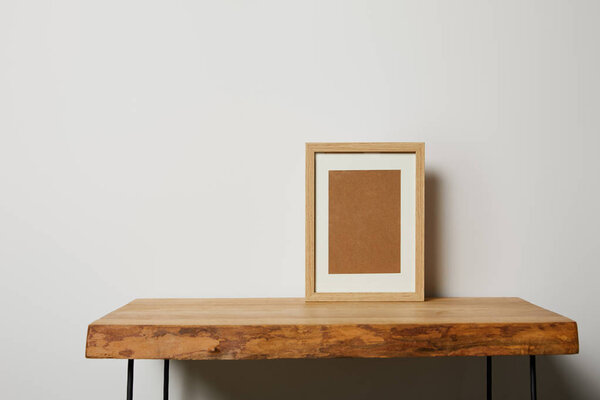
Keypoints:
(364, 222)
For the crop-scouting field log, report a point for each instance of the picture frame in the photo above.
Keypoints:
(360, 244)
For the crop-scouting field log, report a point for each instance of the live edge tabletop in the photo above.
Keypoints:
(233, 329)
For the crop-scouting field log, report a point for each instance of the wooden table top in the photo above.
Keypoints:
(202, 329)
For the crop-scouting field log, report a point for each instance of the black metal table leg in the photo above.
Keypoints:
(532, 378)
(166, 381)
(129, 379)
(489, 377)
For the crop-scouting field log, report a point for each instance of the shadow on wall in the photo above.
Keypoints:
(433, 241)
(408, 378)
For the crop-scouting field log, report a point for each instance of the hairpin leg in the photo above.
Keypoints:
(129, 379)
(532, 378)
(489, 377)
(166, 381)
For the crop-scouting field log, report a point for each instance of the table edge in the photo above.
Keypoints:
(540, 339)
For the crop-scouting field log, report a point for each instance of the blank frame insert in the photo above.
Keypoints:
(364, 221)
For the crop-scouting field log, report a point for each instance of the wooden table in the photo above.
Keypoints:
(236, 329)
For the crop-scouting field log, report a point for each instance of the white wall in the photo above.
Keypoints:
(156, 148)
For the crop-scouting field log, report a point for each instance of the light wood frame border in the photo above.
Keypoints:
(386, 147)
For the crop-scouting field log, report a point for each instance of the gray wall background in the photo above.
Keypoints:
(156, 149)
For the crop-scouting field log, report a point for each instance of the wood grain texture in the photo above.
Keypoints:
(309, 259)
(203, 329)
(383, 147)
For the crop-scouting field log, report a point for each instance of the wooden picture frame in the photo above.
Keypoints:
(312, 151)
